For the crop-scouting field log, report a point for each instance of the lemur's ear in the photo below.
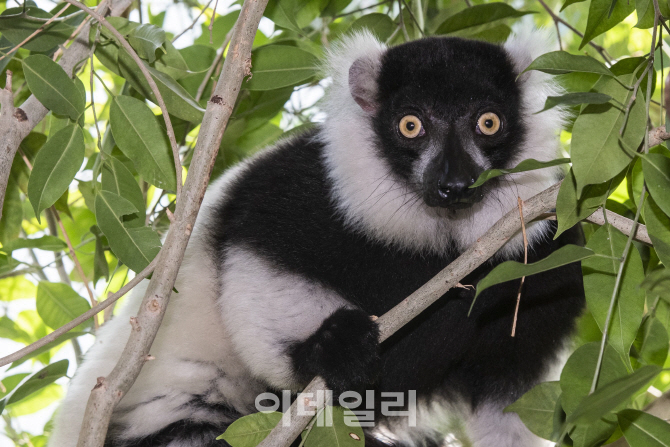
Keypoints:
(363, 83)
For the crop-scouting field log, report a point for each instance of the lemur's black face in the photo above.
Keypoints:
(445, 110)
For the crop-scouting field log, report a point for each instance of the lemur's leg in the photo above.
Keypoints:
(287, 329)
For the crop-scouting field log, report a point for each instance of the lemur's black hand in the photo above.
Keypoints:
(344, 351)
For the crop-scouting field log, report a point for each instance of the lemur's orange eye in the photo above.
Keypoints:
(410, 126)
(489, 123)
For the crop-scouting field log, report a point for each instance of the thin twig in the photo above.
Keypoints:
(14, 356)
(58, 260)
(95, 116)
(150, 81)
(631, 234)
(202, 11)
(413, 17)
(73, 35)
(210, 70)
(603, 53)
(402, 22)
(525, 261)
(211, 22)
(75, 259)
(36, 32)
(344, 14)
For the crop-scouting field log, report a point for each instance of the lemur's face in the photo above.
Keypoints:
(443, 110)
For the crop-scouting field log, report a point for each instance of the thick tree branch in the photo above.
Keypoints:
(658, 135)
(621, 223)
(109, 390)
(16, 124)
(485, 247)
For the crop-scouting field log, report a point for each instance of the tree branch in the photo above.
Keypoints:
(658, 135)
(109, 390)
(621, 223)
(485, 247)
(15, 126)
(557, 19)
(14, 356)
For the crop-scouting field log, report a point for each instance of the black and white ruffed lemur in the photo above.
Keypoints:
(295, 248)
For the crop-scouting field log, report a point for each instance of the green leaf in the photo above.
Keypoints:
(276, 66)
(596, 152)
(35, 382)
(510, 270)
(55, 166)
(100, 266)
(146, 39)
(494, 34)
(603, 18)
(610, 396)
(599, 277)
(570, 2)
(657, 283)
(139, 135)
(107, 53)
(593, 434)
(645, 13)
(343, 432)
(578, 372)
(16, 288)
(536, 408)
(121, 24)
(644, 430)
(573, 99)
(283, 13)
(172, 63)
(48, 347)
(378, 24)
(37, 401)
(118, 179)
(135, 247)
(17, 29)
(12, 213)
(571, 209)
(49, 243)
(525, 165)
(652, 342)
(177, 100)
(479, 15)
(250, 430)
(9, 329)
(5, 50)
(561, 62)
(53, 87)
(658, 226)
(57, 304)
(7, 263)
(656, 169)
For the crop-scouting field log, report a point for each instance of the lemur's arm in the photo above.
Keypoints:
(288, 329)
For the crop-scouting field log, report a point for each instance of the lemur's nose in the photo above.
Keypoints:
(455, 188)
